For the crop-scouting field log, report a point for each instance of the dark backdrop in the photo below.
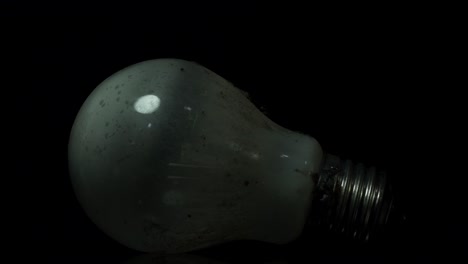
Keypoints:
(369, 89)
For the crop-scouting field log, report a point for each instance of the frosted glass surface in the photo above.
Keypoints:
(166, 155)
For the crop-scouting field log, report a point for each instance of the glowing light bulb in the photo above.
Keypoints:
(167, 156)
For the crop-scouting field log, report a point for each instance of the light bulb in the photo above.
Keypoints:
(167, 156)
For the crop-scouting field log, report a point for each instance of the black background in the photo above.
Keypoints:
(374, 89)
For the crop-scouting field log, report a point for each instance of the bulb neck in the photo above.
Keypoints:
(351, 199)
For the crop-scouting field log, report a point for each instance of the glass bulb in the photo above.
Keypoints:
(167, 156)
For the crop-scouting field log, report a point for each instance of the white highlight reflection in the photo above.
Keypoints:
(254, 155)
(147, 104)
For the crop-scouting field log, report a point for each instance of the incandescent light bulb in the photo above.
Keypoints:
(167, 156)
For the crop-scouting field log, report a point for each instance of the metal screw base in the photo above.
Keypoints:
(351, 199)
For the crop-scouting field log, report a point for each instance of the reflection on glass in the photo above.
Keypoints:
(147, 104)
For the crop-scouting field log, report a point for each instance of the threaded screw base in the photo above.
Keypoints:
(351, 199)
